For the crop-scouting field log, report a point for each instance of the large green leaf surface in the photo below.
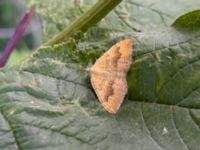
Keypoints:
(129, 16)
(47, 102)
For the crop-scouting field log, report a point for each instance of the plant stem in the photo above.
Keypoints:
(16, 36)
(84, 22)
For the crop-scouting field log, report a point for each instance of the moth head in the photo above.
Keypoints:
(88, 70)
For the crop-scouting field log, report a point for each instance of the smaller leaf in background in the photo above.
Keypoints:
(188, 20)
(16, 37)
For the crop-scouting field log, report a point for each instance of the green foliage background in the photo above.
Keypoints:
(47, 101)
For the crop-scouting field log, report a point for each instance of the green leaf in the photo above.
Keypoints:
(189, 20)
(47, 101)
(166, 68)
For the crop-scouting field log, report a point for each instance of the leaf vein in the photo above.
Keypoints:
(45, 75)
(12, 130)
(176, 129)
(125, 22)
(148, 130)
(154, 10)
(56, 131)
(167, 47)
(185, 97)
(193, 119)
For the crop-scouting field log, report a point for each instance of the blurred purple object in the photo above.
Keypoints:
(17, 36)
